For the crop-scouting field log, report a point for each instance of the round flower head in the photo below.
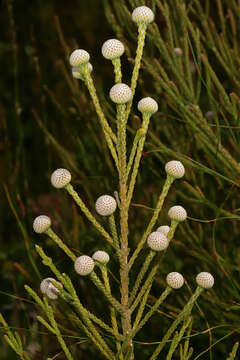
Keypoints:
(45, 283)
(77, 73)
(177, 213)
(41, 224)
(79, 57)
(157, 241)
(164, 229)
(60, 178)
(101, 256)
(105, 205)
(178, 51)
(52, 292)
(175, 280)
(205, 280)
(84, 265)
(120, 93)
(143, 14)
(175, 169)
(147, 105)
(112, 49)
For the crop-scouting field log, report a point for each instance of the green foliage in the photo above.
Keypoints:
(47, 122)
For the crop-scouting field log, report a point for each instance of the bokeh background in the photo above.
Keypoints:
(47, 121)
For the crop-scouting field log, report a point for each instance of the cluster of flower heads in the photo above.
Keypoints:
(106, 205)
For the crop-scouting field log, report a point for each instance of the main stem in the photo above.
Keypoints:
(124, 269)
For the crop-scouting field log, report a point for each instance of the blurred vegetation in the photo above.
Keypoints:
(47, 121)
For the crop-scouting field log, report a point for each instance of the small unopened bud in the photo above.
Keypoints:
(105, 205)
(84, 265)
(112, 49)
(175, 280)
(60, 178)
(120, 93)
(175, 169)
(41, 224)
(148, 105)
(177, 213)
(101, 256)
(143, 14)
(157, 241)
(79, 57)
(205, 280)
(164, 229)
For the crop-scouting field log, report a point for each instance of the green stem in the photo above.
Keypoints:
(117, 70)
(61, 244)
(166, 187)
(85, 210)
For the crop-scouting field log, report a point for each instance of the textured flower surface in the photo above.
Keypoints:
(105, 205)
(60, 178)
(157, 241)
(47, 288)
(148, 105)
(175, 280)
(120, 93)
(101, 256)
(112, 49)
(143, 14)
(84, 265)
(41, 223)
(177, 213)
(205, 280)
(175, 169)
(79, 57)
(45, 283)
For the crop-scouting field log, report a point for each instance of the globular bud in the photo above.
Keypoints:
(45, 283)
(175, 169)
(120, 93)
(157, 241)
(101, 257)
(60, 178)
(79, 57)
(49, 289)
(84, 265)
(164, 229)
(175, 280)
(142, 14)
(209, 114)
(148, 105)
(205, 280)
(77, 73)
(105, 205)
(52, 292)
(178, 51)
(112, 49)
(177, 213)
(41, 224)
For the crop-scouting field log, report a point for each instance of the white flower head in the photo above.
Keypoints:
(175, 169)
(60, 178)
(105, 205)
(142, 14)
(177, 213)
(79, 57)
(205, 280)
(148, 105)
(47, 288)
(101, 257)
(175, 280)
(45, 283)
(112, 49)
(41, 224)
(84, 265)
(157, 241)
(164, 229)
(120, 93)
